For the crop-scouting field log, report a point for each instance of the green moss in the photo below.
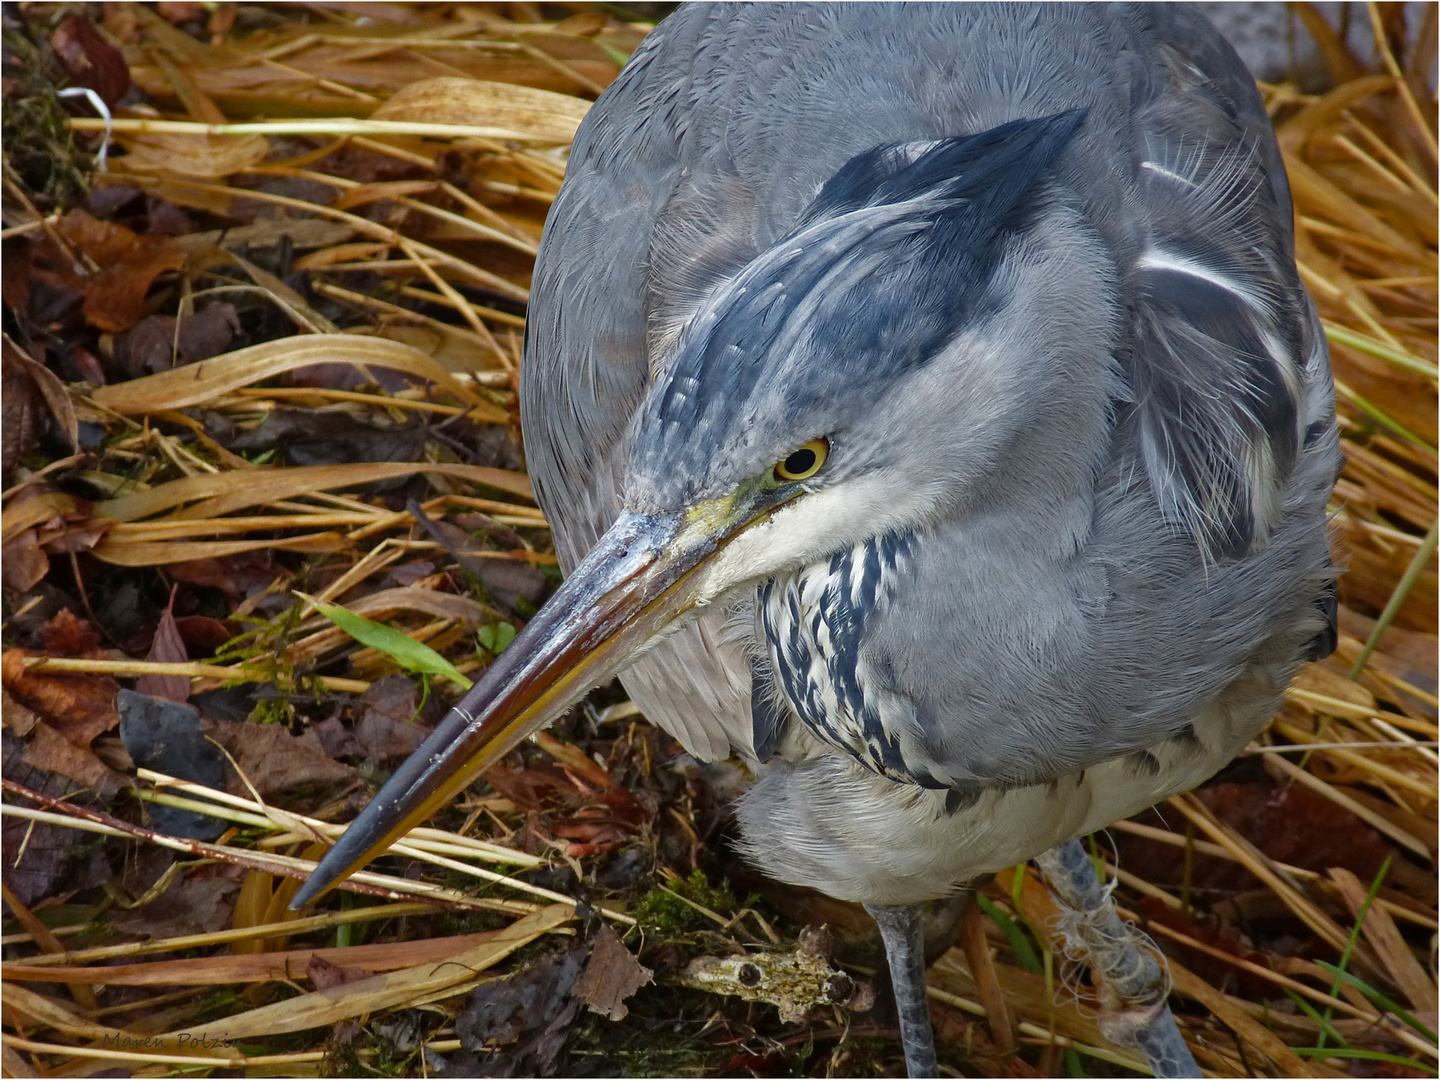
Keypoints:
(665, 911)
(38, 145)
(341, 1060)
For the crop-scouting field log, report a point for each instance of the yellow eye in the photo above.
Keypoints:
(804, 462)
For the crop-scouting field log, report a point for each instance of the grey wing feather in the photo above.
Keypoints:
(1218, 314)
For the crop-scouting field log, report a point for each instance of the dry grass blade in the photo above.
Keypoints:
(411, 986)
(1237, 1020)
(221, 494)
(239, 156)
(153, 1060)
(325, 921)
(151, 553)
(181, 388)
(1205, 847)
(42, 936)
(66, 815)
(987, 984)
(1023, 992)
(541, 114)
(191, 669)
(427, 845)
(49, 1013)
(253, 967)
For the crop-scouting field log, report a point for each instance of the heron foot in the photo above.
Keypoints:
(901, 931)
(1134, 981)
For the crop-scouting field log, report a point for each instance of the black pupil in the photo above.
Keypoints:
(801, 461)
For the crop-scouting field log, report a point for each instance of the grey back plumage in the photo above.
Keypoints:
(1202, 439)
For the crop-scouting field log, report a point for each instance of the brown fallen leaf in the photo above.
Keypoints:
(78, 706)
(22, 409)
(527, 1017)
(91, 60)
(51, 752)
(15, 716)
(44, 391)
(308, 437)
(1290, 824)
(506, 580)
(282, 767)
(160, 342)
(191, 905)
(529, 788)
(115, 295)
(237, 576)
(68, 535)
(41, 859)
(611, 975)
(17, 271)
(23, 562)
(202, 635)
(336, 739)
(66, 634)
(167, 648)
(86, 366)
(389, 728)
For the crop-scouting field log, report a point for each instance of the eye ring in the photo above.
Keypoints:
(803, 462)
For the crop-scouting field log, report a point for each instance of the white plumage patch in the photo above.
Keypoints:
(1166, 261)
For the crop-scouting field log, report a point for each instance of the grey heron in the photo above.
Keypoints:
(929, 413)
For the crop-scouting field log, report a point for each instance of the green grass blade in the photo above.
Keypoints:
(1380, 1000)
(1321, 1021)
(1350, 944)
(1014, 936)
(1365, 1055)
(1379, 416)
(400, 647)
(1380, 350)
(1397, 598)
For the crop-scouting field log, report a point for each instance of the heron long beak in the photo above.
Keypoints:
(635, 581)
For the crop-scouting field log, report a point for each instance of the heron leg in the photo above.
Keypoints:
(1133, 979)
(900, 930)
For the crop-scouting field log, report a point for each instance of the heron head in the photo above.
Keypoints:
(900, 350)
(864, 373)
